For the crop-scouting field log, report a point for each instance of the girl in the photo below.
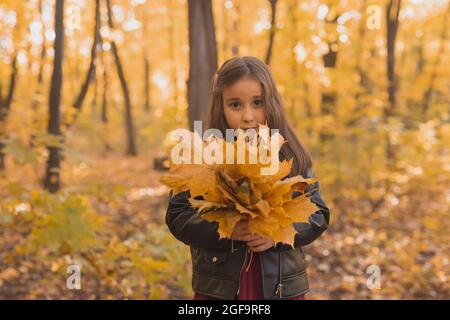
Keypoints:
(244, 95)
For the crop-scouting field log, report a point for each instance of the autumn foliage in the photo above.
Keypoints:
(234, 191)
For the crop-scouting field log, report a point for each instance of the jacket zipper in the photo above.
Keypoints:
(240, 273)
(279, 290)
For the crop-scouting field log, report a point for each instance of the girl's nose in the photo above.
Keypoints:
(248, 114)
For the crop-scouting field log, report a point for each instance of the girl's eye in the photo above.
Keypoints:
(258, 103)
(234, 105)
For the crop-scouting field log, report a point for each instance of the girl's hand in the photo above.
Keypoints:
(260, 244)
(255, 242)
(242, 233)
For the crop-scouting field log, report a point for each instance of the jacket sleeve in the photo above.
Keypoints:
(185, 224)
(318, 221)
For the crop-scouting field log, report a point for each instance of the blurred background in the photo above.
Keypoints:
(90, 91)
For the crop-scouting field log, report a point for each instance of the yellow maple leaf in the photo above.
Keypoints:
(231, 192)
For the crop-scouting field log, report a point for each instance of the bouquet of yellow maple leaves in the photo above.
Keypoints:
(233, 191)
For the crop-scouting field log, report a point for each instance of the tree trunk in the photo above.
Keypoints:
(5, 103)
(52, 177)
(36, 101)
(329, 95)
(147, 73)
(104, 112)
(147, 84)
(94, 100)
(90, 75)
(172, 53)
(202, 57)
(104, 98)
(40, 78)
(360, 68)
(308, 107)
(273, 7)
(131, 134)
(5, 106)
(392, 13)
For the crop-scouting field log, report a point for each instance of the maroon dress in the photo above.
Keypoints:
(250, 284)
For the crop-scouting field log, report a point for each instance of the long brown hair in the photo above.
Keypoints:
(237, 68)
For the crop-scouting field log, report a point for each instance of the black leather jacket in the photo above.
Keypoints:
(217, 264)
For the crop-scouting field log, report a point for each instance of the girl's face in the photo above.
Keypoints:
(243, 105)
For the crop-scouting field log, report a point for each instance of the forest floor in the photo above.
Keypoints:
(411, 253)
